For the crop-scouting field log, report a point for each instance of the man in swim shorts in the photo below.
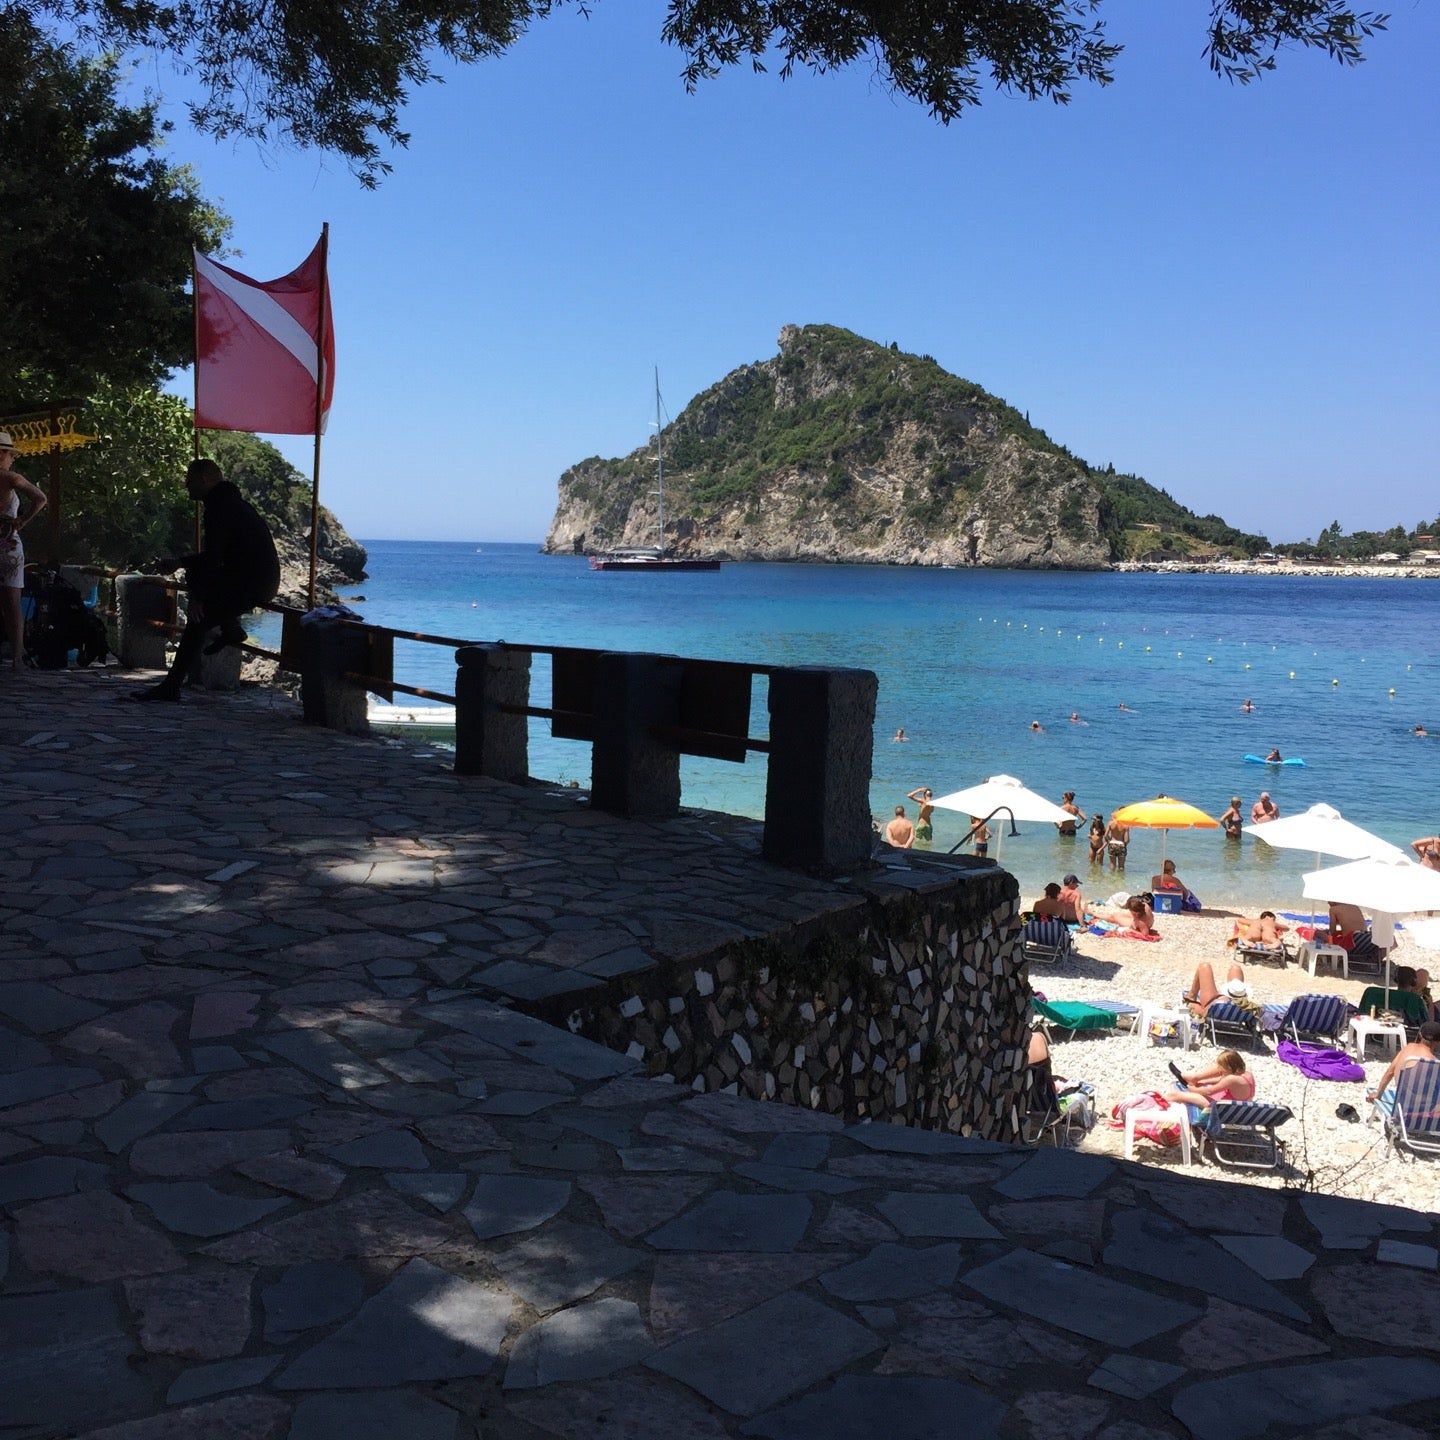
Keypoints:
(1117, 842)
(1425, 1048)
(900, 832)
(1264, 809)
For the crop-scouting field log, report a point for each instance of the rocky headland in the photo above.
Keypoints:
(842, 449)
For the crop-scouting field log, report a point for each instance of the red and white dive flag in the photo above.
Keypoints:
(258, 346)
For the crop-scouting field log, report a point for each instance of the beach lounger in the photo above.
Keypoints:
(1224, 1017)
(1072, 1015)
(1415, 1123)
(1045, 939)
(1365, 955)
(1241, 1133)
(1263, 954)
(1321, 1017)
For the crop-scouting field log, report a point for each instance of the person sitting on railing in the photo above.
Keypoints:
(236, 570)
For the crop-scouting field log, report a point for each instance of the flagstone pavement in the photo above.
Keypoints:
(279, 1159)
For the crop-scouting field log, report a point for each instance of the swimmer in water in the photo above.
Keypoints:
(1421, 732)
(1127, 710)
(1274, 757)
(1037, 726)
(1248, 708)
(900, 737)
(1075, 718)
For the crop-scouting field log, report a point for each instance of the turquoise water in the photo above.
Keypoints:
(967, 658)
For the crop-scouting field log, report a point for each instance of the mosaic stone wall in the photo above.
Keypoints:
(908, 1007)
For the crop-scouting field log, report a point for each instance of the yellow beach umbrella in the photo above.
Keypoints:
(1164, 813)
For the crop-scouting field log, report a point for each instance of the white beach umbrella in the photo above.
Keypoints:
(1324, 831)
(1386, 887)
(1005, 794)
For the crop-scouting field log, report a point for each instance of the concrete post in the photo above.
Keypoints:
(140, 599)
(327, 650)
(220, 671)
(817, 790)
(487, 740)
(631, 773)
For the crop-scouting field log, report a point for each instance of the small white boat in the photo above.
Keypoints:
(412, 722)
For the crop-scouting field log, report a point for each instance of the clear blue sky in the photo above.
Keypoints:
(1231, 291)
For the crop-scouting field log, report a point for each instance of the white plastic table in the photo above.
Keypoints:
(1176, 1114)
(1363, 1029)
(1183, 1021)
(1313, 952)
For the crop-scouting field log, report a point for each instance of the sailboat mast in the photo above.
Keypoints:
(659, 464)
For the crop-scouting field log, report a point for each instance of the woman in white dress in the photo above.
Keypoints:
(12, 549)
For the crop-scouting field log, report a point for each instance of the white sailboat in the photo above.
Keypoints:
(653, 557)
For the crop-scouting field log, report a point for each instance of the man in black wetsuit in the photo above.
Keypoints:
(236, 570)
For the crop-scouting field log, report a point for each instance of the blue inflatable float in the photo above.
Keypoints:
(1261, 760)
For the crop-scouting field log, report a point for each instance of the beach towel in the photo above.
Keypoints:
(1191, 901)
(1319, 1062)
(1074, 1014)
(1127, 935)
(1160, 1132)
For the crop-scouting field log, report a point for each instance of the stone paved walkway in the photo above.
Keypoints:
(275, 1161)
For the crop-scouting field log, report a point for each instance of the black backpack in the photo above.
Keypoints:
(59, 623)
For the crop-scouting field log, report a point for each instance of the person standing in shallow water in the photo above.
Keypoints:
(235, 571)
(1232, 822)
(924, 830)
(1067, 828)
(1097, 840)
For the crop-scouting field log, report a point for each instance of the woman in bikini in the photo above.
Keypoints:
(1204, 992)
(1097, 840)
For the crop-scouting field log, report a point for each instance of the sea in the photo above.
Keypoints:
(1339, 671)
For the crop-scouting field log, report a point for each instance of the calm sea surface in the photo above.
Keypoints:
(967, 659)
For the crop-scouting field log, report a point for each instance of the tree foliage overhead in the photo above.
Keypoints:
(336, 73)
(95, 227)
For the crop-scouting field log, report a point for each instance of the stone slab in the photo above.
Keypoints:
(201, 1315)
(91, 1237)
(1383, 1305)
(938, 1216)
(509, 1204)
(388, 1416)
(895, 1272)
(1270, 1256)
(586, 1342)
(689, 1292)
(1134, 1377)
(726, 1221)
(1298, 1396)
(65, 1361)
(191, 1207)
(200, 1382)
(305, 1297)
(1077, 1300)
(440, 1190)
(738, 1365)
(633, 1204)
(563, 1263)
(632, 1407)
(425, 1325)
(1055, 1173)
(384, 1150)
(862, 1407)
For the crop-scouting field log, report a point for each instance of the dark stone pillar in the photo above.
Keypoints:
(817, 791)
(140, 599)
(327, 650)
(633, 774)
(487, 740)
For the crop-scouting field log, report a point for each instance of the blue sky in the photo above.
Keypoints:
(1231, 291)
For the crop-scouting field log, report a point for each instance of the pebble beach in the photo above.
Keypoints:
(1325, 1153)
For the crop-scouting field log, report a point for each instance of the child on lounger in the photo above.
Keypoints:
(1226, 1079)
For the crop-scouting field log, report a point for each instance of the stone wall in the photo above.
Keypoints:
(908, 1006)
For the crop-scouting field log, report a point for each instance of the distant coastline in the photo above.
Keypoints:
(1283, 568)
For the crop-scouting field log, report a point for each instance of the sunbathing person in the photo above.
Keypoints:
(1226, 1079)
(1417, 1052)
(1135, 918)
(1049, 905)
(1168, 879)
(1403, 997)
(1262, 933)
(1072, 901)
(1346, 922)
(1204, 992)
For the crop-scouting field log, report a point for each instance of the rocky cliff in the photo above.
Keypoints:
(842, 449)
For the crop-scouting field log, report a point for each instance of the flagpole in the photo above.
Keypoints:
(319, 402)
(195, 405)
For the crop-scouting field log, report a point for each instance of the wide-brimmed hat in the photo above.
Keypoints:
(1237, 989)
(6, 443)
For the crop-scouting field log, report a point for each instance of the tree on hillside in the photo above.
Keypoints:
(336, 73)
(95, 227)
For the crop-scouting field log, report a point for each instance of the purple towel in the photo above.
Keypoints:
(1318, 1062)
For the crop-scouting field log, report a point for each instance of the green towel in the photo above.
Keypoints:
(1074, 1015)
(1403, 1002)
